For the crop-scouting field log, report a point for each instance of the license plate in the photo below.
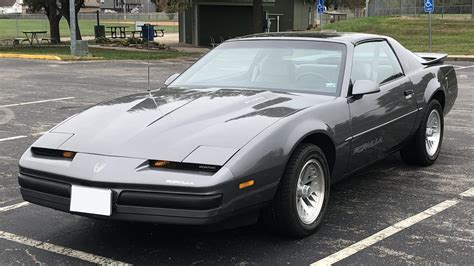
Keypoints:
(91, 200)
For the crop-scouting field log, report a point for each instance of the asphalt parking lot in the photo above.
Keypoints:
(389, 213)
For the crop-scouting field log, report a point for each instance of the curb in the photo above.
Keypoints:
(468, 58)
(30, 56)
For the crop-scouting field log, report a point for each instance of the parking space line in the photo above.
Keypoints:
(14, 206)
(463, 67)
(13, 138)
(41, 101)
(60, 249)
(391, 230)
(23, 136)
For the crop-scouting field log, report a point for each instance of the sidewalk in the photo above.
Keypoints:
(469, 58)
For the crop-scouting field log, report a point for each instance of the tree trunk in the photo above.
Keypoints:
(53, 19)
(54, 33)
(78, 31)
(65, 13)
(257, 16)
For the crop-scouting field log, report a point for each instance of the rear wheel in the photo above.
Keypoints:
(425, 146)
(302, 196)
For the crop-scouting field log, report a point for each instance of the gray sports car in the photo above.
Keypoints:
(261, 125)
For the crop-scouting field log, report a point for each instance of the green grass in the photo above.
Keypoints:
(8, 27)
(98, 53)
(450, 35)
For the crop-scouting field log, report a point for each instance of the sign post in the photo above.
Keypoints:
(320, 9)
(429, 8)
(72, 26)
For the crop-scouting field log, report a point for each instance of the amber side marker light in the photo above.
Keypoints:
(69, 154)
(160, 163)
(246, 184)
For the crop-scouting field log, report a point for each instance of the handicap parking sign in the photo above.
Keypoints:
(320, 6)
(429, 6)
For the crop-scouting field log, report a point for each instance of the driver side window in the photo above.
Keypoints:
(375, 61)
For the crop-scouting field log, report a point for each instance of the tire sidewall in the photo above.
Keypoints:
(311, 153)
(434, 104)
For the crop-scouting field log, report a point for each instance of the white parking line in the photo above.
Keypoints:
(23, 136)
(14, 206)
(463, 67)
(60, 249)
(391, 230)
(42, 101)
(13, 138)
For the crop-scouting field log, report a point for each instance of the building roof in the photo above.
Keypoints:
(7, 3)
(336, 36)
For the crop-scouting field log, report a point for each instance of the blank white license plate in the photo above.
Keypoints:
(91, 200)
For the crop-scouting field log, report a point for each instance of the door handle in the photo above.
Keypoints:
(408, 93)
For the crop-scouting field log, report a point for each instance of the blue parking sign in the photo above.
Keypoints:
(320, 6)
(429, 6)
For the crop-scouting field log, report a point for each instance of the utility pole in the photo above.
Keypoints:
(366, 8)
(72, 26)
(472, 12)
(400, 8)
(124, 9)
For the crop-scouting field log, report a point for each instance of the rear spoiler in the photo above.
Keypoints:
(432, 58)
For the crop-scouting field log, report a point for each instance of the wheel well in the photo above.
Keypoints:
(324, 143)
(439, 95)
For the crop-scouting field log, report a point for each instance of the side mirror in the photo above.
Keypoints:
(362, 87)
(171, 78)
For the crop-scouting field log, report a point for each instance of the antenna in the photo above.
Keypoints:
(148, 65)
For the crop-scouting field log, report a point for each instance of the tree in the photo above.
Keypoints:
(53, 14)
(64, 10)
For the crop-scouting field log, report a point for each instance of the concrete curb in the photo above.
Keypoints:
(469, 58)
(30, 56)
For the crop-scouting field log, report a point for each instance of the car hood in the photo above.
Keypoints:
(169, 124)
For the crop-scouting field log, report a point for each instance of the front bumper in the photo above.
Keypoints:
(139, 204)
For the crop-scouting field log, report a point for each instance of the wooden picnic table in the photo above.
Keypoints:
(120, 29)
(33, 35)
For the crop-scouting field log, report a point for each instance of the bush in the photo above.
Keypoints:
(102, 40)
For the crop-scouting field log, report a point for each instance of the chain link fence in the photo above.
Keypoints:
(464, 8)
(13, 25)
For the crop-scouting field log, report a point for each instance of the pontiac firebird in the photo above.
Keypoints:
(261, 125)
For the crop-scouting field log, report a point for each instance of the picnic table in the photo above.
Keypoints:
(120, 29)
(32, 36)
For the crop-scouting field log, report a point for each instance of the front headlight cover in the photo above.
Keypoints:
(210, 155)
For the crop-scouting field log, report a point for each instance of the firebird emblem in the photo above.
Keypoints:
(99, 167)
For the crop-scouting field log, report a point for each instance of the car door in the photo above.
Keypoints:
(380, 121)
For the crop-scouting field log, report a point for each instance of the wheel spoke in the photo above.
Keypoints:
(305, 207)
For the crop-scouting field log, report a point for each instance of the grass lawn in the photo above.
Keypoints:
(450, 35)
(98, 54)
(8, 27)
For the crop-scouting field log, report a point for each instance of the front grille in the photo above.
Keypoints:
(169, 201)
(45, 186)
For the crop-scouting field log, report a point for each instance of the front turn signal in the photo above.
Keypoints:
(246, 184)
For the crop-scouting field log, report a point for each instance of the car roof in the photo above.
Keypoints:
(346, 37)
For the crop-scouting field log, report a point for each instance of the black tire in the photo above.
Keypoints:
(415, 152)
(283, 215)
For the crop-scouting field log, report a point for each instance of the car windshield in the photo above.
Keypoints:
(287, 65)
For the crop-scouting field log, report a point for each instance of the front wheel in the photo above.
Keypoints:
(425, 146)
(302, 196)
